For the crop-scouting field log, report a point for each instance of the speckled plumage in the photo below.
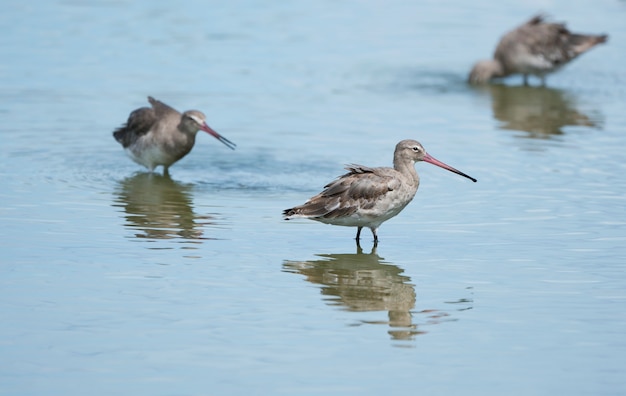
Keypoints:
(367, 197)
(535, 48)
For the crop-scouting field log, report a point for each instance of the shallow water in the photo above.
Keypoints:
(113, 280)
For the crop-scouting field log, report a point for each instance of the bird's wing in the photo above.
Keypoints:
(139, 122)
(161, 109)
(358, 189)
(552, 42)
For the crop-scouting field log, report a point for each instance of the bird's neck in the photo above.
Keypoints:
(407, 169)
(186, 130)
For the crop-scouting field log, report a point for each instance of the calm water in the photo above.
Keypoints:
(114, 281)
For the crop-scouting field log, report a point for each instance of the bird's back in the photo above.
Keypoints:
(359, 197)
(138, 124)
(539, 47)
(145, 119)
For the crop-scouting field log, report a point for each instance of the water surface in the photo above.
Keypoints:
(115, 281)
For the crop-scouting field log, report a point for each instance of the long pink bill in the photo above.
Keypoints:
(428, 158)
(219, 137)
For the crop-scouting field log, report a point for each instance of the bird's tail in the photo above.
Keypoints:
(584, 42)
(288, 214)
(122, 136)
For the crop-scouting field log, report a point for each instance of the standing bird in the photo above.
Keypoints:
(367, 197)
(161, 135)
(536, 47)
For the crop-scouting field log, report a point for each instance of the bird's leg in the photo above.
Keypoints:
(358, 234)
(166, 171)
(375, 236)
(525, 80)
(543, 81)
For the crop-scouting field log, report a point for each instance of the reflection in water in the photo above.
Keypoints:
(159, 208)
(365, 282)
(540, 111)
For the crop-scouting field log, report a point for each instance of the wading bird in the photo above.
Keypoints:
(367, 197)
(537, 47)
(160, 135)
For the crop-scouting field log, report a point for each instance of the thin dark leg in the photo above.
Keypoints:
(358, 234)
(375, 236)
(526, 79)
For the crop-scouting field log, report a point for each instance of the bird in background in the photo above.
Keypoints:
(160, 135)
(367, 197)
(537, 47)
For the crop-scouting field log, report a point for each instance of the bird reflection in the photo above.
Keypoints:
(542, 112)
(363, 282)
(158, 207)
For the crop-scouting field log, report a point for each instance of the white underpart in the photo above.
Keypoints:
(534, 64)
(386, 207)
(151, 157)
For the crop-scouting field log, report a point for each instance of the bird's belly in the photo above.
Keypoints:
(149, 156)
(534, 64)
(373, 215)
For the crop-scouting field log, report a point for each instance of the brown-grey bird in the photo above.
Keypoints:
(537, 47)
(367, 197)
(160, 135)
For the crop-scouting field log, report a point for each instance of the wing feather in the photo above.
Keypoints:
(549, 41)
(358, 189)
(139, 122)
(161, 109)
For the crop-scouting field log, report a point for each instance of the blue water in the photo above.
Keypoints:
(115, 281)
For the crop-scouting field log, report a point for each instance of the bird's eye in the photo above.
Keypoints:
(416, 148)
